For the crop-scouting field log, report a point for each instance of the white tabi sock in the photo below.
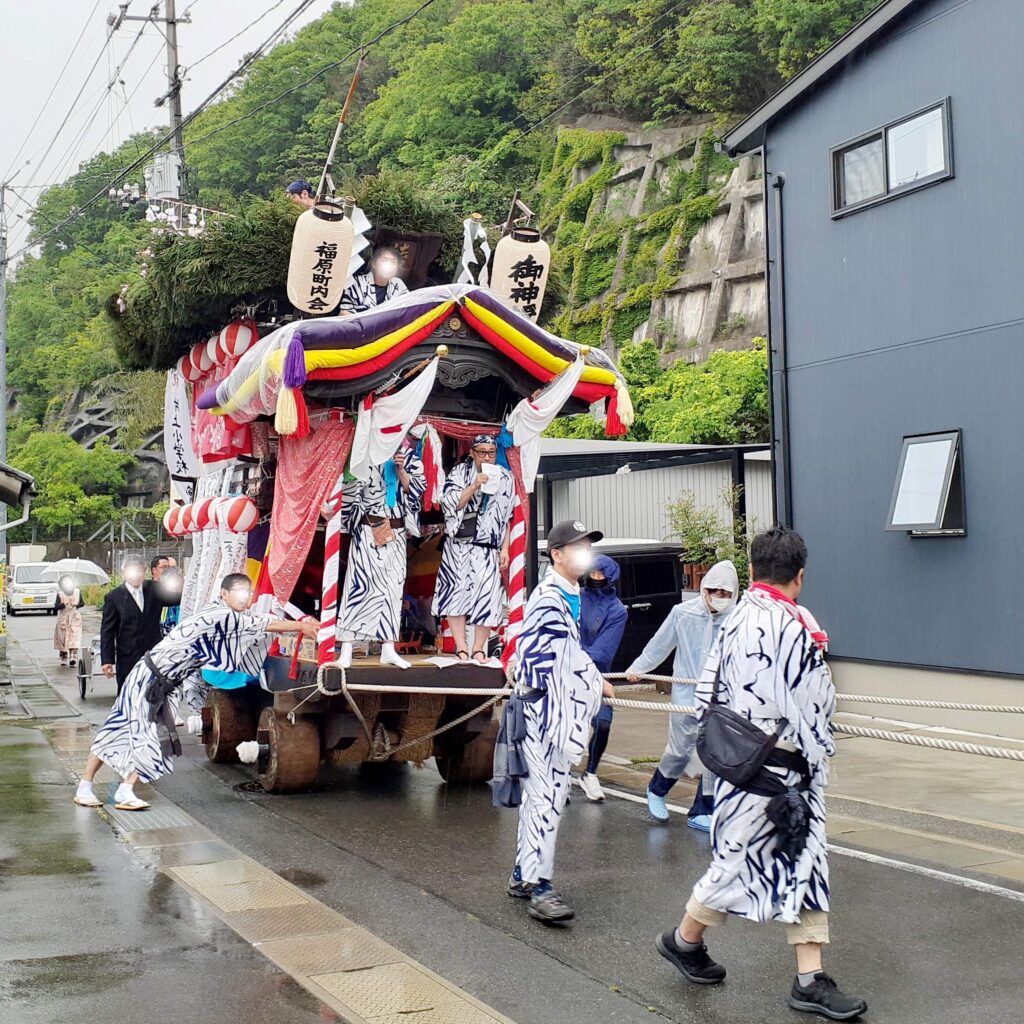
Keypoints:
(124, 793)
(345, 657)
(388, 656)
(84, 788)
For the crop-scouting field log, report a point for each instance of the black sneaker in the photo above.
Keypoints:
(548, 906)
(518, 889)
(694, 965)
(823, 996)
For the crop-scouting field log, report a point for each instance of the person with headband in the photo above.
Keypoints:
(222, 644)
(477, 501)
(557, 692)
(379, 513)
(689, 631)
(377, 285)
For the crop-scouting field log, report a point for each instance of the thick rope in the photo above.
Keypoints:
(382, 750)
(929, 741)
(863, 698)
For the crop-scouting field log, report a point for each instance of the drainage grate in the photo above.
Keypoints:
(253, 786)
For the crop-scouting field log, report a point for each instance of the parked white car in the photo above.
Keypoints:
(27, 591)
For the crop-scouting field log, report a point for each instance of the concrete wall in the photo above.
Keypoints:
(907, 318)
(633, 505)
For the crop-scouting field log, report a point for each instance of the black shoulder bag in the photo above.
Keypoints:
(731, 746)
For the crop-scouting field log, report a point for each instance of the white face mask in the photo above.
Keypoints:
(720, 604)
(579, 560)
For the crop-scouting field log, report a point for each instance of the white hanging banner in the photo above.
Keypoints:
(532, 416)
(384, 422)
(473, 231)
(182, 463)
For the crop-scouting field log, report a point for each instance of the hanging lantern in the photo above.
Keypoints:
(238, 337)
(171, 520)
(519, 273)
(318, 268)
(185, 520)
(201, 514)
(239, 515)
(214, 352)
(186, 369)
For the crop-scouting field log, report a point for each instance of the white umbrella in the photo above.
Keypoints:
(81, 570)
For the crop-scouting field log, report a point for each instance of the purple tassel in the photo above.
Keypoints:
(295, 363)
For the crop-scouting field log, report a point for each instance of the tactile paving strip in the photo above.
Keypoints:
(455, 1011)
(179, 854)
(158, 816)
(265, 890)
(379, 991)
(169, 836)
(286, 922)
(350, 950)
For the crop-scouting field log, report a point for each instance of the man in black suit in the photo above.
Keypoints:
(131, 620)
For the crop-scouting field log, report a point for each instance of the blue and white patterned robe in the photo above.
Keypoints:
(469, 579)
(360, 295)
(216, 639)
(771, 669)
(371, 598)
(550, 658)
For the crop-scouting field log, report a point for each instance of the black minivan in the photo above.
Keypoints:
(651, 583)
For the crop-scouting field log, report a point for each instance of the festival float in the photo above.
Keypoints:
(268, 425)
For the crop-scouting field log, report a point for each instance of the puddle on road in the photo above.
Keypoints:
(82, 974)
(303, 879)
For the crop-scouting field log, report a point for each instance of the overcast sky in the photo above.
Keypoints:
(36, 39)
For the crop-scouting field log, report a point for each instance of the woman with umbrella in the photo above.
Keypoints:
(67, 634)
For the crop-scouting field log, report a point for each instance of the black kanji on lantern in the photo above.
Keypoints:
(527, 270)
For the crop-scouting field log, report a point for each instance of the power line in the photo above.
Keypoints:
(247, 61)
(217, 49)
(346, 60)
(53, 88)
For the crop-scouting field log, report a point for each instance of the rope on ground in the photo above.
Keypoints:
(929, 741)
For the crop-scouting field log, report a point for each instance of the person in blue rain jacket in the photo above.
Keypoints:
(602, 623)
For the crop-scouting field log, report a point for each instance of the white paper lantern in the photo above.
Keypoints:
(239, 515)
(321, 247)
(519, 273)
(213, 350)
(237, 338)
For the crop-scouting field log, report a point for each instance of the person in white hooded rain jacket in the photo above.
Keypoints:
(769, 853)
(558, 692)
(689, 630)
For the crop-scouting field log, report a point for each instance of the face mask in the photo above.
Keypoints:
(580, 561)
(720, 604)
(596, 584)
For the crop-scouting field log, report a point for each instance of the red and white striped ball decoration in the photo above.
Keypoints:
(214, 352)
(185, 520)
(171, 520)
(240, 515)
(217, 507)
(237, 337)
(201, 514)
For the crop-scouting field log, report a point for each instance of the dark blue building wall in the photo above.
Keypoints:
(906, 318)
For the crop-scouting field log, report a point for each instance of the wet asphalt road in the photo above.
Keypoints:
(424, 865)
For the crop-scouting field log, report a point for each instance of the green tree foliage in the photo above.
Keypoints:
(77, 486)
(721, 401)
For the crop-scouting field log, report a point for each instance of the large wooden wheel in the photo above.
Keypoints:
(471, 762)
(291, 757)
(232, 721)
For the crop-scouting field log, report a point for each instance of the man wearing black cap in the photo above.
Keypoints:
(302, 192)
(558, 692)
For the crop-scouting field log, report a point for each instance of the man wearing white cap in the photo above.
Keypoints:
(689, 630)
(477, 502)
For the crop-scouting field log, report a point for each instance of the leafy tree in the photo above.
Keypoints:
(77, 486)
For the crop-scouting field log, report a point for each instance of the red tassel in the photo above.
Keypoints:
(429, 473)
(293, 670)
(274, 650)
(302, 413)
(613, 426)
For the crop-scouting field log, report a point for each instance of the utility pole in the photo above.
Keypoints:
(3, 358)
(170, 176)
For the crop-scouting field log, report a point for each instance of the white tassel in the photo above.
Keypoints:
(248, 751)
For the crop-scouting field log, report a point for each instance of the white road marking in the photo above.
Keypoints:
(872, 858)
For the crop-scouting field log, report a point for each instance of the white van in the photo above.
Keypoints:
(27, 592)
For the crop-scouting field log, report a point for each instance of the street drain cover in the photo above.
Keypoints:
(253, 786)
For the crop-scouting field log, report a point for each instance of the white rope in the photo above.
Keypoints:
(929, 741)
(861, 698)
(649, 705)
(947, 705)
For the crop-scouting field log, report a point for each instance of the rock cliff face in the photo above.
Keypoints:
(659, 237)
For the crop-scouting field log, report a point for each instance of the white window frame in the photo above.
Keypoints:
(835, 155)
